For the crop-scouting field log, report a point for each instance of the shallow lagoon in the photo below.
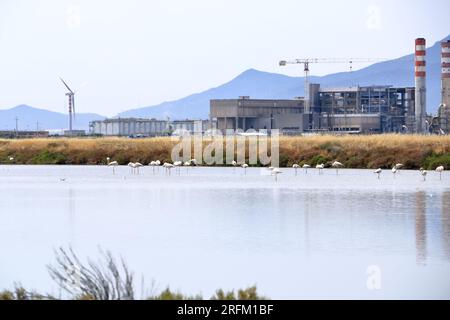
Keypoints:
(303, 236)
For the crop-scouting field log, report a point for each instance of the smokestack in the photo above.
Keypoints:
(420, 78)
(445, 72)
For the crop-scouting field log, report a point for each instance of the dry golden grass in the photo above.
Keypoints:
(353, 151)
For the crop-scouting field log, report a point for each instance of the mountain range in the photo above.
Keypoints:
(253, 83)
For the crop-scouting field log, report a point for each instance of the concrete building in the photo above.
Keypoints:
(245, 113)
(371, 109)
(192, 126)
(129, 127)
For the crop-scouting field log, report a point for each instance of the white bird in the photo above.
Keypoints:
(245, 166)
(177, 164)
(112, 164)
(337, 165)
(275, 172)
(423, 172)
(378, 172)
(394, 170)
(234, 164)
(440, 169)
(399, 166)
(168, 166)
(295, 166)
(306, 166)
(11, 158)
(152, 164)
(131, 165)
(187, 165)
(137, 165)
(320, 167)
(157, 164)
(193, 162)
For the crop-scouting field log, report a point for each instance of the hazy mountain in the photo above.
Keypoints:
(29, 116)
(258, 84)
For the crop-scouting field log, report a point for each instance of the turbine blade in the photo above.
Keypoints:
(66, 85)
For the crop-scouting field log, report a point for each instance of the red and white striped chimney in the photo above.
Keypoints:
(445, 72)
(420, 81)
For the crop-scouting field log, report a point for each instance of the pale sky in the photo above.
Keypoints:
(126, 54)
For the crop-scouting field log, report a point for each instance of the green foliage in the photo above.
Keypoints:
(48, 157)
(435, 160)
(318, 159)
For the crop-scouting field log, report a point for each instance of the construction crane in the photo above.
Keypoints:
(307, 61)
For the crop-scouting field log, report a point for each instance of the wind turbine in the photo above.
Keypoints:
(71, 95)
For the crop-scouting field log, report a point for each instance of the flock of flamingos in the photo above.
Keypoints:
(273, 171)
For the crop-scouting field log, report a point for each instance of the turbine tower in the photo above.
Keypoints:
(71, 95)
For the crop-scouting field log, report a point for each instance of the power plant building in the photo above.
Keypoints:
(373, 109)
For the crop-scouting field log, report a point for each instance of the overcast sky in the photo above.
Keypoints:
(125, 54)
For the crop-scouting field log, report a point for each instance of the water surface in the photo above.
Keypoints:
(303, 236)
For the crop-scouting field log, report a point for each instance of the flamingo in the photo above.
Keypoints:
(152, 164)
(394, 170)
(320, 167)
(137, 165)
(337, 165)
(306, 166)
(234, 164)
(187, 164)
(168, 167)
(295, 166)
(378, 172)
(178, 164)
(112, 164)
(440, 169)
(423, 172)
(275, 172)
(131, 165)
(245, 166)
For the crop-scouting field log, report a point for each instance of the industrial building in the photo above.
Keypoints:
(129, 127)
(372, 109)
(245, 113)
(145, 127)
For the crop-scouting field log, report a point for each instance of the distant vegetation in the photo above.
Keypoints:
(107, 279)
(369, 151)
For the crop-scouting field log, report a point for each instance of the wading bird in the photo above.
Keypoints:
(306, 166)
(193, 162)
(394, 170)
(275, 172)
(440, 169)
(295, 166)
(168, 167)
(423, 172)
(177, 164)
(378, 172)
(152, 164)
(113, 164)
(245, 166)
(234, 164)
(320, 167)
(337, 165)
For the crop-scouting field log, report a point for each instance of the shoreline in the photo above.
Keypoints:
(355, 152)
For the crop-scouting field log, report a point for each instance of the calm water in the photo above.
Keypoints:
(304, 236)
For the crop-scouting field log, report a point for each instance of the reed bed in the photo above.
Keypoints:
(365, 151)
